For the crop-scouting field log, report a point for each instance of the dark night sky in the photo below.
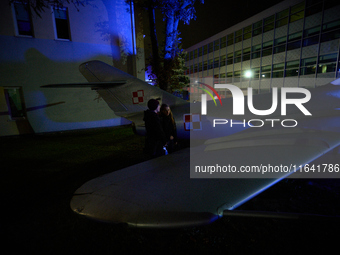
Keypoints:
(215, 16)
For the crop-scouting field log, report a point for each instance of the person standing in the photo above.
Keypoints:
(155, 137)
(169, 126)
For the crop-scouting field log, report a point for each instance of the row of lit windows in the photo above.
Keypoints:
(276, 46)
(275, 21)
(24, 23)
(307, 66)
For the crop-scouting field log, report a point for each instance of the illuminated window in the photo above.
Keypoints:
(327, 63)
(297, 12)
(61, 23)
(23, 19)
(266, 71)
(222, 60)
(308, 66)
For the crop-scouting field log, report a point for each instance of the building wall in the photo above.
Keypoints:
(100, 31)
(294, 43)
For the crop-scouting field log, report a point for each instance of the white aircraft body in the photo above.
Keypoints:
(161, 193)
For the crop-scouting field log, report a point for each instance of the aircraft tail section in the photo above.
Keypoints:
(128, 98)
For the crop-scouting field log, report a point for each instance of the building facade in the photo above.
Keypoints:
(292, 44)
(37, 51)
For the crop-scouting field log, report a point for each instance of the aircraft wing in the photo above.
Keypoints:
(160, 192)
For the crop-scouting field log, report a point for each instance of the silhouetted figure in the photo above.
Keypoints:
(169, 126)
(155, 138)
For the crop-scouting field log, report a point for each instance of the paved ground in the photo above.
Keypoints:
(38, 219)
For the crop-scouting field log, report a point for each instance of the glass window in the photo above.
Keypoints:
(297, 8)
(256, 51)
(247, 29)
(269, 23)
(330, 36)
(238, 36)
(61, 23)
(216, 62)
(195, 53)
(14, 99)
(246, 54)
(238, 39)
(278, 74)
(230, 39)
(211, 47)
(23, 19)
(292, 64)
(269, 20)
(199, 52)
(282, 14)
(327, 68)
(308, 66)
(311, 41)
(217, 45)
(211, 64)
(205, 49)
(246, 36)
(247, 32)
(328, 58)
(238, 32)
(297, 12)
(292, 68)
(237, 56)
(257, 28)
(281, 22)
(308, 61)
(223, 42)
(267, 68)
(331, 26)
(205, 65)
(295, 36)
(292, 72)
(267, 48)
(281, 42)
(222, 60)
(307, 70)
(312, 31)
(280, 48)
(280, 66)
(256, 73)
(237, 74)
(230, 58)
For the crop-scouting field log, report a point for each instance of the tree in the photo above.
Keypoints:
(166, 63)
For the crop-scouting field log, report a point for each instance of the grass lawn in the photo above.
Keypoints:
(39, 174)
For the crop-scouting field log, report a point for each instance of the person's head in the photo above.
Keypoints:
(153, 105)
(165, 109)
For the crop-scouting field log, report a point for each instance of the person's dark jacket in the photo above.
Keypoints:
(168, 127)
(155, 136)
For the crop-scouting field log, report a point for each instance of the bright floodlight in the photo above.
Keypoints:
(248, 74)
